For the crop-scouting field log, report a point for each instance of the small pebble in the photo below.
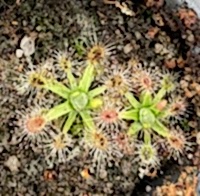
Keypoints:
(127, 48)
(103, 174)
(148, 188)
(190, 38)
(38, 28)
(117, 32)
(24, 23)
(198, 138)
(138, 35)
(19, 53)
(93, 3)
(14, 22)
(158, 48)
(131, 24)
(27, 45)
(12, 163)
(190, 156)
(170, 63)
(1, 149)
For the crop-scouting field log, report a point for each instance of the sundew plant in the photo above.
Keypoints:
(78, 99)
(125, 112)
(147, 114)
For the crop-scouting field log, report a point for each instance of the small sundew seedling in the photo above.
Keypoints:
(36, 80)
(147, 113)
(63, 58)
(147, 155)
(30, 79)
(169, 81)
(177, 144)
(23, 82)
(178, 108)
(100, 146)
(59, 148)
(79, 100)
(33, 124)
(98, 52)
(145, 80)
(107, 117)
(118, 81)
(124, 143)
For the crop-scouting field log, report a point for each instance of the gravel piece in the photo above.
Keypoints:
(148, 188)
(13, 163)
(19, 53)
(27, 45)
(128, 48)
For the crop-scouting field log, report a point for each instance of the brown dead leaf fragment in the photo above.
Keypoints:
(122, 6)
(158, 19)
(18, 2)
(154, 3)
(49, 175)
(181, 62)
(153, 174)
(188, 16)
(85, 174)
(171, 63)
(185, 186)
(152, 32)
(175, 62)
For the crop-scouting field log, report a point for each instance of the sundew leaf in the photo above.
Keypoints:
(87, 78)
(58, 111)
(147, 118)
(133, 101)
(76, 129)
(146, 98)
(155, 110)
(70, 120)
(57, 88)
(129, 115)
(134, 128)
(79, 100)
(71, 78)
(164, 114)
(147, 137)
(158, 97)
(96, 91)
(87, 119)
(159, 128)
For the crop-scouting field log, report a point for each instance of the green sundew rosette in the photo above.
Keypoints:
(78, 99)
(145, 114)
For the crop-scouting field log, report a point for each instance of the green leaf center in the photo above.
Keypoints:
(146, 117)
(79, 100)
